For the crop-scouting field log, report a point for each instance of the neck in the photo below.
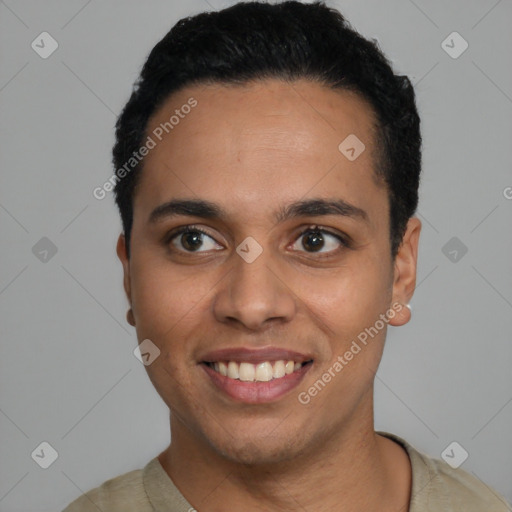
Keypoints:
(353, 469)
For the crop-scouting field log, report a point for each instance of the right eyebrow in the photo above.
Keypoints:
(188, 207)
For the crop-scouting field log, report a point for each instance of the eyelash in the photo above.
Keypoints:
(312, 228)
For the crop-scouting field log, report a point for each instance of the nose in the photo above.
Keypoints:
(254, 295)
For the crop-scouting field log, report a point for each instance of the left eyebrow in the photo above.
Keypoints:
(304, 208)
(319, 207)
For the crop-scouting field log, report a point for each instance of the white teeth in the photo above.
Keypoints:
(261, 372)
(223, 368)
(264, 372)
(247, 372)
(233, 370)
(279, 370)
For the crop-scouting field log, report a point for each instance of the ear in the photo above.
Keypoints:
(404, 280)
(123, 257)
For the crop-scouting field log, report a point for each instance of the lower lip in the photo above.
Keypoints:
(256, 392)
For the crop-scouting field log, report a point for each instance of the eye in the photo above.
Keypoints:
(191, 239)
(315, 239)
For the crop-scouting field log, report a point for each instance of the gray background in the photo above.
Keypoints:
(68, 375)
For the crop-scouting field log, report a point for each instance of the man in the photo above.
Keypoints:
(267, 172)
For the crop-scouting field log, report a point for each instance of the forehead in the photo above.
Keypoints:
(260, 144)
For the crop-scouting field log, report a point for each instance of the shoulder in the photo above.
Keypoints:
(463, 490)
(124, 493)
(438, 486)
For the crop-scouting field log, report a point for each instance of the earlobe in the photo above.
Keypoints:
(404, 281)
(130, 318)
(401, 316)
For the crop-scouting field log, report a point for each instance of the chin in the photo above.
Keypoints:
(257, 448)
(254, 453)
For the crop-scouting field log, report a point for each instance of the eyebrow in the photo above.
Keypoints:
(304, 208)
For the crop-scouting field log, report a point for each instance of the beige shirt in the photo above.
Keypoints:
(435, 487)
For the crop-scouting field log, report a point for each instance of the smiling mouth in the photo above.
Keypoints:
(264, 371)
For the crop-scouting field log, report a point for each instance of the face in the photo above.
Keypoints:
(259, 254)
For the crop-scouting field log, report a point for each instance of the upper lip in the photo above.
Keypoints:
(253, 355)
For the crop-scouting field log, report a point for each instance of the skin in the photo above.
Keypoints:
(251, 149)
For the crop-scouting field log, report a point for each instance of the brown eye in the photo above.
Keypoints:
(313, 240)
(191, 239)
(316, 239)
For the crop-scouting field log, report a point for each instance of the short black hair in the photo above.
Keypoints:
(252, 41)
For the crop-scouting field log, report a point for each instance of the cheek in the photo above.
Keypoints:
(348, 298)
(165, 297)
